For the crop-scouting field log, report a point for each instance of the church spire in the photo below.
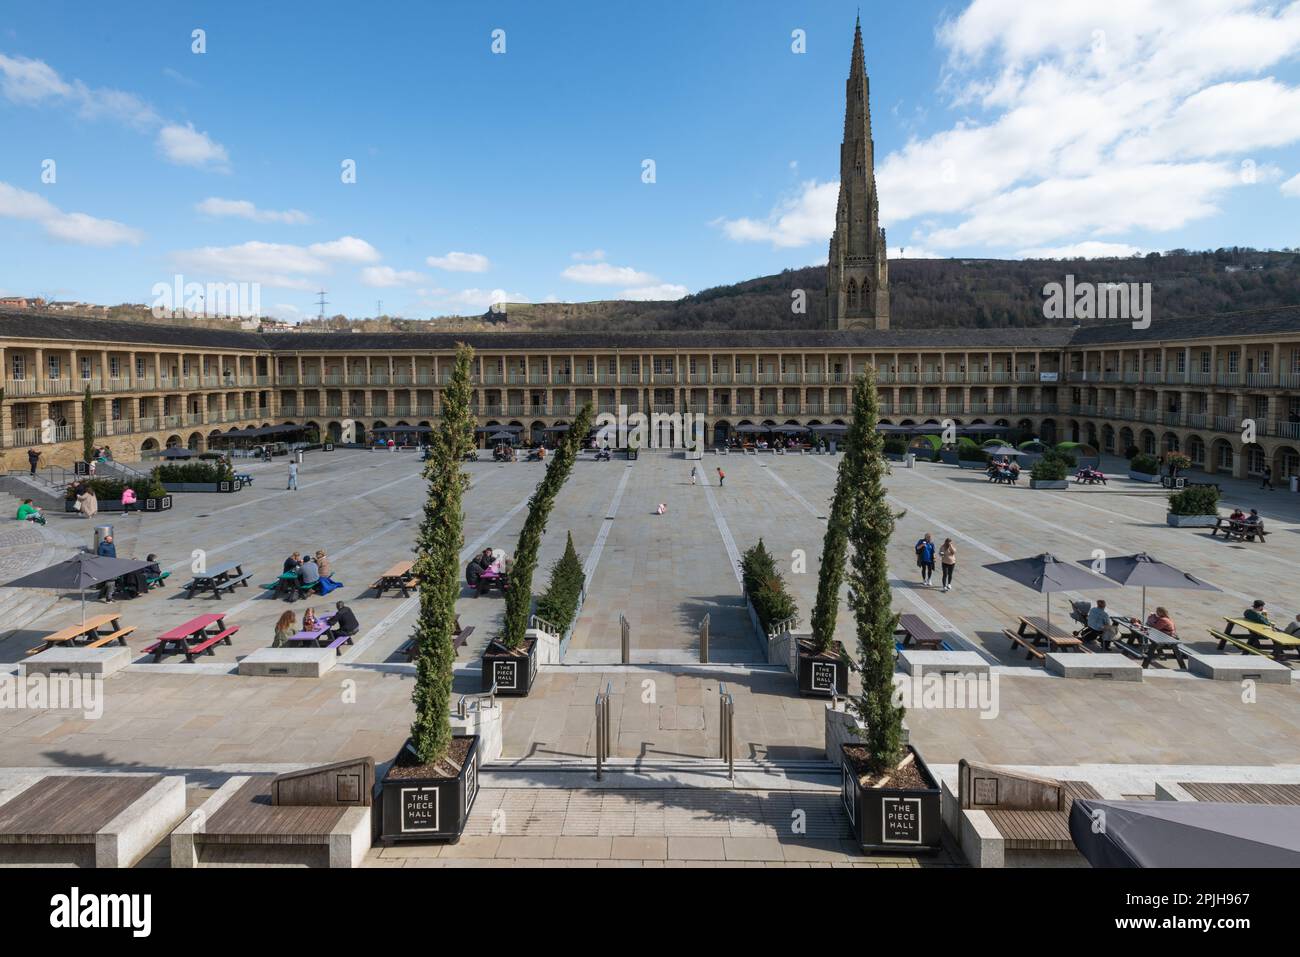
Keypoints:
(858, 272)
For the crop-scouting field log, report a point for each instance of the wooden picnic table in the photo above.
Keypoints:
(84, 633)
(1149, 643)
(1236, 530)
(399, 577)
(1040, 631)
(219, 578)
(917, 632)
(195, 637)
(1255, 633)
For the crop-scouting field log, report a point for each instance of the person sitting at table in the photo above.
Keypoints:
(1294, 627)
(309, 620)
(309, 572)
(1160, 621)
(1257, 615)
(345, 622)
(153, 569)
(1253, 518)
(1100, 624)
(327, 584)
(292, 562)
(285, 628)
(1237, 515)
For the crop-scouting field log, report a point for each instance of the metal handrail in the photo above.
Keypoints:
(462, 704)
(727, 729)
(704, 639)
(602, 728)
(541, 624)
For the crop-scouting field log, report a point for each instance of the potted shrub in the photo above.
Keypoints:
(200, 476)
(771, 603)
(1194, 507)
(971, 456)
(633, 447)
(1050, 471)
(150, 496)
(562, 600)
(888, 792)
(428, 790)
(1144, 468)
(895, 449)
(1176, 462)
(510, 660)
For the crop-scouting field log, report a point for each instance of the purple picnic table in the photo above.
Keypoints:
(315, 635)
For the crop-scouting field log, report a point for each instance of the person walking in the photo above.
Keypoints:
(695, 474)
(1267, 481)
(33, 459)
(128, 499)
(722, 477)
(87, 503)
(948, 561)
(293, 476)
(925, 558)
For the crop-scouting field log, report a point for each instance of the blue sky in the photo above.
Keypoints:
(1001, 129)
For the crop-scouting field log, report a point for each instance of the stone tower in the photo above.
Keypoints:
(857, 273)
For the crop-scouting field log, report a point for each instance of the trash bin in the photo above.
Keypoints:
(101, 532)
(1295, 483)
(911, 461)
(300, 456)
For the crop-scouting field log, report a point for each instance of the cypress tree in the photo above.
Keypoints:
(519, 596)
(87, 427)
(835, 543)
(870, 526)
(437, 564)
(560, 602)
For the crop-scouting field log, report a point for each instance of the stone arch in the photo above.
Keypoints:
(1221, 456)
(173, 442)
(1195, 448)
(1286, 463)
(1126, 440)
(1147, 442)
(149, 445)
(721, 432)
(1169, 442)
(1108, 439)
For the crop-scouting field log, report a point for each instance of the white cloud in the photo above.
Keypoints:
(387, 276)
(606, 274)
(79, 228)
(1085, 250)
(274, 264)
(244, 209)
(186, 146)
(659, 292)
(797, 220)
(595, 255)
(347, 249)
(1292, 186)
(911, 252)
(460, 262)
(34, 83)
(477, 300)
(1079, 102)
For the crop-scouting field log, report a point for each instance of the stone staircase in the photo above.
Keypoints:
(26, 547)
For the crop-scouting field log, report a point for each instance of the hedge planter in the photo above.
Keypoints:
(1191, 521)
(230, 485)
(423, 808)
(632, 454)
(1048, 483)
(890, 818)
(1143, 477)
(513, 671)
(820, 674)
(141, 505)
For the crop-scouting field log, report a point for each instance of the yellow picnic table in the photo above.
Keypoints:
(397, 578)
(1255, 632)
(75, 633)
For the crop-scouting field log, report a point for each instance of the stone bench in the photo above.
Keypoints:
(1239, 668)
(74, 660)
(1113, 667)
(89, 820)
(918, 662)
(288, 662)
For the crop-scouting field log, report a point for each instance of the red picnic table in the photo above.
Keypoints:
(195, 637)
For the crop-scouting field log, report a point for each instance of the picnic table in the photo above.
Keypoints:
(218, 578)
(1280, 641)
(399, 577)
(87, 634)
(917, 632)
(1039, 631)
(195, 637)
(318, 635)
(1148, 643)
(1236, 530)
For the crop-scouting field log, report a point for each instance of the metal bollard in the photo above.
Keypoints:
(726, 730)
(626, 638)
(704, 640)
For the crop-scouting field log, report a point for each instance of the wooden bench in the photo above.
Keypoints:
(157, 581)
(457, 643)
(1242, 793)
(1242, 643)
(119, 636)
(918, 633)
(1030, 650)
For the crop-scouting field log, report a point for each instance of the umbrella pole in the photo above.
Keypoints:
(1144, 603)
(83, 606)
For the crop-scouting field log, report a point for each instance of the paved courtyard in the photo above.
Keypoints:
(663, 573)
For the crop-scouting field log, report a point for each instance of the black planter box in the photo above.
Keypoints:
(818, 674)
(512, 673)
(225, 485)
(632, 454)
(327, 447)
(424, 810)
(892, 819)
